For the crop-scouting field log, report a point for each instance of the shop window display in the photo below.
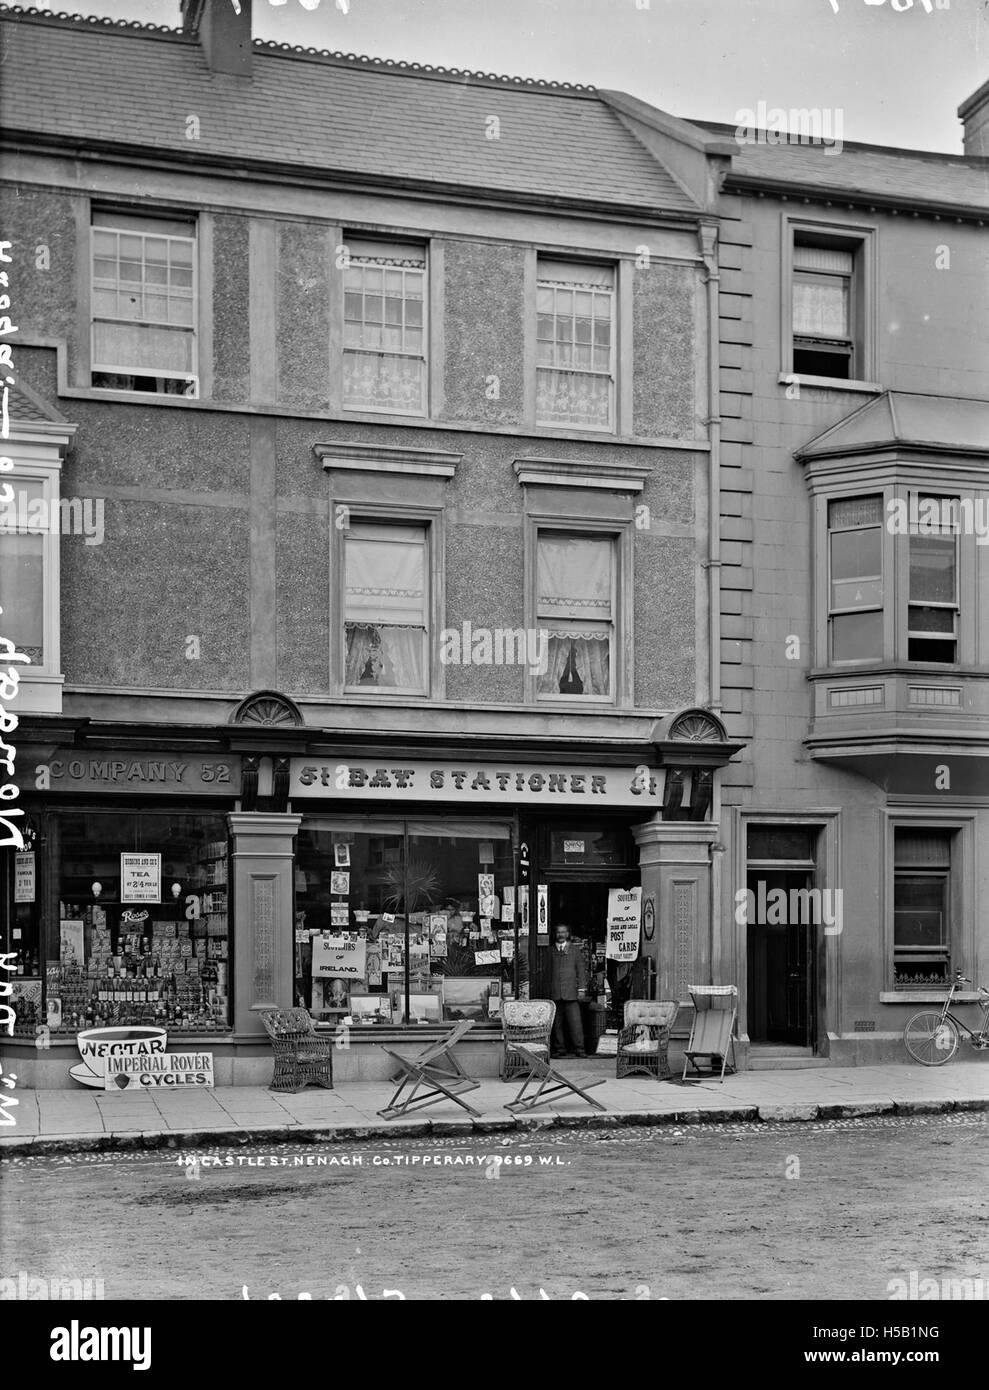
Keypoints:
(142, 928)
(417, 920)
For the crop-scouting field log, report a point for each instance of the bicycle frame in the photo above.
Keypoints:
(980, 1035)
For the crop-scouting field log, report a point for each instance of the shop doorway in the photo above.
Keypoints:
(780, 959)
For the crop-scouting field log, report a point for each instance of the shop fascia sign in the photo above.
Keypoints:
(543, 784)
(72, 770)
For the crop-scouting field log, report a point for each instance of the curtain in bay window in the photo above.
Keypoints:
(574, 602)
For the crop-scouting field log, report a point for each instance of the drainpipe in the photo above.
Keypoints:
(709, 250)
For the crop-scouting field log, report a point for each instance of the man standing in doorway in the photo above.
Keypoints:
(567, 986)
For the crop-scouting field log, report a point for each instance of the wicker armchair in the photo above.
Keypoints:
(302, 1057)
(526, 1021)
(644, 1041)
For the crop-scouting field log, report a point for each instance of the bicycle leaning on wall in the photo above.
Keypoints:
(932, 1035)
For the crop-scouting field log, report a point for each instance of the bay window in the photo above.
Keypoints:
(855, 563)
(933, 594)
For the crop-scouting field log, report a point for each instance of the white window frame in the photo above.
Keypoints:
(588, 532)
(574, 266)
(37, 450)
(382, 248)
(150, 218)
(369, 518)
(862, 241)
(915, 497)
(880, 608)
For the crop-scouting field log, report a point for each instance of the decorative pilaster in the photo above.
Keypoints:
(263, 903)
(675, 860)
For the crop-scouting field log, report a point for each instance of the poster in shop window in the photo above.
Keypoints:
(624, 915)
(140, 878)
(342, 957)
(24, 880)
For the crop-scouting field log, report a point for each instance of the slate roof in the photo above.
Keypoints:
(906, 419)
(905, 176)
(103, 83)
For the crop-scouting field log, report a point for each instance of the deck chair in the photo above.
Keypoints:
(435, 1068)
(712, 1034)
(551, 1083)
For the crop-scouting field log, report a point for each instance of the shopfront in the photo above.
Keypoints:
(391, 896)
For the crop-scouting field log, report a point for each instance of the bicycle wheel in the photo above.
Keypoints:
(929, 1040)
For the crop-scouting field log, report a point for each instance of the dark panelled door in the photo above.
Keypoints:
(780, 960)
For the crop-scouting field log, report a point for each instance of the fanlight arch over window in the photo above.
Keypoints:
(268, 709)
(697, 726)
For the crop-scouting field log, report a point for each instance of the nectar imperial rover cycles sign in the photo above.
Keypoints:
(463, 782)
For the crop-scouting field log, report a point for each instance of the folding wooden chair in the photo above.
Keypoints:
(434, 1067)
(712, 1034)
(551, 1083)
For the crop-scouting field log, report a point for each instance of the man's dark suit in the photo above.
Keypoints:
(567, 975)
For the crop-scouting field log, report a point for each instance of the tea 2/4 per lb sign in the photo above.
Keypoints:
(140, 878)
(160, 1071)
(624, 915)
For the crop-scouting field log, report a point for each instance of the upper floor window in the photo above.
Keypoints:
(828, 302)
(933, 604)
(575, 345)
(575, 604)
(823, 336)
(384, 339)
(855, 580)
(144, 303)
(386, 620)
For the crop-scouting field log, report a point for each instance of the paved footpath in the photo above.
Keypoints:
(74, 1120)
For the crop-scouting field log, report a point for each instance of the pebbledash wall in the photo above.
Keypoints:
(868, 775)
(193, 661)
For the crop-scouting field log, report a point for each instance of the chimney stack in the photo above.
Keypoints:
(974, 115)
(223, 28)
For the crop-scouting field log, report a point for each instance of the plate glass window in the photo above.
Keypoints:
(144, 304)
(855, 559)
(384, 338)
(387, 603)
(575, 336)
(823, 283)
(575, 604)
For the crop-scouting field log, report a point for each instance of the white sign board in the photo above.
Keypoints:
(161, 1071)
(342, 957)
(140, 878)
(24, 877)
(624, 915)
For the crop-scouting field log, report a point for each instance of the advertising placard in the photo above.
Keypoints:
(624, 915)
(343, 957)
(140, 878)
(161, 1071)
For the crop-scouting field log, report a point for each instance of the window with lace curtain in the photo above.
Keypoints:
(384, 331)
(575, 336)
(575, 604)
(144, 303)
(386, 608)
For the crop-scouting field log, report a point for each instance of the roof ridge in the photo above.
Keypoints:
(394, 65)
(797, 138)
